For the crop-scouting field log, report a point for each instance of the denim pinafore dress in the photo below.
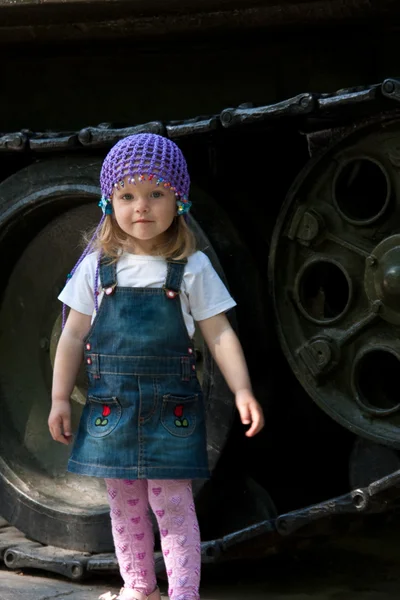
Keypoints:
(144, 416)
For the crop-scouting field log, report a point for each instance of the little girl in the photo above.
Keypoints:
(134, 296)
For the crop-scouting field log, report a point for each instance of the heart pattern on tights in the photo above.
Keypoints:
(135, 520)
(182, 539)
(175, 500)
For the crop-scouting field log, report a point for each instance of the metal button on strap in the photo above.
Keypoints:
(109, 291)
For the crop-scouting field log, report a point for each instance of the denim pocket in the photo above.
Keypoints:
(178, 414)
(104, 415)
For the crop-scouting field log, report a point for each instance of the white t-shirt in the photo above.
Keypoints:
(203, 294)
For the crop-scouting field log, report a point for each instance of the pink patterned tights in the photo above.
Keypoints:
(173, 506)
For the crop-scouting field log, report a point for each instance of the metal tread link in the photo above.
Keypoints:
(318, 106)
(18, 552)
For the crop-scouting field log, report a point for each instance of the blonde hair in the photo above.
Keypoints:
(111, 239)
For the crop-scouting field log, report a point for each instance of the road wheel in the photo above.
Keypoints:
(335, 280)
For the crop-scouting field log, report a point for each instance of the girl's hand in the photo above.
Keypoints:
(60, 422)
(250, 411)
(68, 359)
(228, 354)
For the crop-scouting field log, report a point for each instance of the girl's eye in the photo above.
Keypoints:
(127, 197)
(156, 194)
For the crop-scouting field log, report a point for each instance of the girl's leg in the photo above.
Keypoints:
(173, 505)
(133, 533)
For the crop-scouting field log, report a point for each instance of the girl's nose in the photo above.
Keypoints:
(142, 204)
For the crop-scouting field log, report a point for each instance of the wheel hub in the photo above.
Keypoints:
(335, 278)
(382, 278)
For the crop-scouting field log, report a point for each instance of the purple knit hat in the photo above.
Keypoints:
(145, 154)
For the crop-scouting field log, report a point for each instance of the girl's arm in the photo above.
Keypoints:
(66, 366)
(228, 354)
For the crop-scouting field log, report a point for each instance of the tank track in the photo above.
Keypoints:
(263, 538)
(315, 112)
(322, 117)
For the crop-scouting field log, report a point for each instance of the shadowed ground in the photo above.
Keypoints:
(361, 566)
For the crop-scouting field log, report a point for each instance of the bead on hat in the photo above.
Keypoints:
(105, 205)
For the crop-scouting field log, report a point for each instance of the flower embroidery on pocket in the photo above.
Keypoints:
(180, 420)
(101, 422)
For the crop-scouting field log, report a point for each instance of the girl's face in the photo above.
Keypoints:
(144, 212)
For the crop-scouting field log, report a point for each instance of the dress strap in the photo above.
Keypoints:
(108, 273)
(175, 271)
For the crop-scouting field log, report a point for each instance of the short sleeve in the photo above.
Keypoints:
(206, 292)
(78, 292)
